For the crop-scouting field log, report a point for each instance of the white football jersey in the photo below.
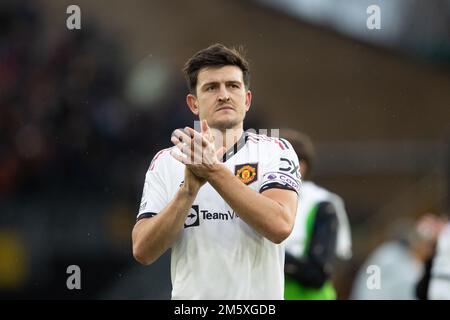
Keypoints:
(218, 255)
(310, 196)
(440, 273)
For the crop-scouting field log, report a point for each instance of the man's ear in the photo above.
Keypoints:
(248, 100)
(191, 101)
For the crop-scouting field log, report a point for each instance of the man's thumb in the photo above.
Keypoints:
(205, 126)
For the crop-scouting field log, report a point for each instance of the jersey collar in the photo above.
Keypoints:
(235, 148)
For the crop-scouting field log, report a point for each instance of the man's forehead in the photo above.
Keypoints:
(219, 74)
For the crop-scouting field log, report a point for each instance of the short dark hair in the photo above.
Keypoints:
(216, 55)
(304, 148)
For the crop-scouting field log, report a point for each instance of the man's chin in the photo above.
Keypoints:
(223, 124)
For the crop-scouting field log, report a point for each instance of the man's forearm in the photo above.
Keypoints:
(268, 217)
(153, 236)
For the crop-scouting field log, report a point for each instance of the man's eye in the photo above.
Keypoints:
(210, 88)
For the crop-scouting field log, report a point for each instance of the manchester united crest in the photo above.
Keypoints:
(247, 173)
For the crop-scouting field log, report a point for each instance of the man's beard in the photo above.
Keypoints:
(223, 125)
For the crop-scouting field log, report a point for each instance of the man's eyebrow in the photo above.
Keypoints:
(217, 82)
(233, 82)
(209, 83)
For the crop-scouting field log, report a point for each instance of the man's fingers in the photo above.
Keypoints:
(204, 126)
(189, 138)
(200, 140)
(182, 136)
(190, 131)
(206, 131)
(197, 136)
(178, 157)
(220, 152)
(196, 147)
(193, 153)
(182, 146)
(197, 144)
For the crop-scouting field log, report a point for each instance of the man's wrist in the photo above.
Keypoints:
(215, 172)
(189, 190)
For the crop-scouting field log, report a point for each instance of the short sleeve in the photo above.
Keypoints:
(283, 172)
(154, 195)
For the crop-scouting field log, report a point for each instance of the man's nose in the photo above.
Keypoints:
(223, 94)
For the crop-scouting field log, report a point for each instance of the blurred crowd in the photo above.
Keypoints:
(78, 130)
(64, 117)
(74, 149)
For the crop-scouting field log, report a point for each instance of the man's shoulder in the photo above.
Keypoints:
(275, 144)
(161, 159)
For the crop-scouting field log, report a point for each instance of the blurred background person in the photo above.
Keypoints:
(321, 232)
(440, 273)
(435, 282)
(400, 261)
